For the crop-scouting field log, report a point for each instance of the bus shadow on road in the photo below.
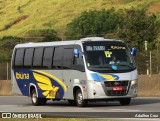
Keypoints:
(138, 101)
(90, 104)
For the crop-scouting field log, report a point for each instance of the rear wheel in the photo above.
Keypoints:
(125, 101)
(35, 100)
(79, 99)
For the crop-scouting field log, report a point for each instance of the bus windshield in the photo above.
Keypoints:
(108, 56)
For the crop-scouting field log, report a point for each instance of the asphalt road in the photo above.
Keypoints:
(23, 104)
(97, 109)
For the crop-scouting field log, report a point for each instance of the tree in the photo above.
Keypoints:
(94, 23)
(138, 27)
(7, 44)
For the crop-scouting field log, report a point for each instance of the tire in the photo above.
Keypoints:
(37, 101)
(79, 99)
(72, 102)
(125, 101)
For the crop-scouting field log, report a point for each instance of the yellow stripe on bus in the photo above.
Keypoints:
(53, 77)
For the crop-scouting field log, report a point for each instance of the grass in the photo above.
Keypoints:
(56, 13)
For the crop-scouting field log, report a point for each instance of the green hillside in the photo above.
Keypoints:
(17, 17)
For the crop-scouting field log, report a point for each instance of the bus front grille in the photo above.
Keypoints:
(110, 84)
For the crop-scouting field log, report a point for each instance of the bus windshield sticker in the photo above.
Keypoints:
(108, 54)
(118, 47)
(95, 48)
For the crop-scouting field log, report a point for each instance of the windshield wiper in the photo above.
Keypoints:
(101, 67)
(125, 65)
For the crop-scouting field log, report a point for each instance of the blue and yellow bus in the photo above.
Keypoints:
(79, 71)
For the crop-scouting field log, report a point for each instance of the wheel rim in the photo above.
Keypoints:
(79, 98)
(34, 98)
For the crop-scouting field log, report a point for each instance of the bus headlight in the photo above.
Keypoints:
(134, 83)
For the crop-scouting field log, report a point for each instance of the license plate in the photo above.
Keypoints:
(117, 88)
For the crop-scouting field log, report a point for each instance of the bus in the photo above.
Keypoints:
(89, 69)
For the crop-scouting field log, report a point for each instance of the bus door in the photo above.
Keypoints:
(57, 62)
(67, 70)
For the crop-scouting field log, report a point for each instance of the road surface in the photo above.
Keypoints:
(94, 109)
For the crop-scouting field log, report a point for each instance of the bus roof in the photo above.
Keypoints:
(71, 42)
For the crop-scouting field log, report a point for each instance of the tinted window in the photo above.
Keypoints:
(108, 56)
(78, 60)
(57, 59)
(19, 58)
(47, 57)
(78, 63)
(67, 59)
(38, 54)
(28, 57)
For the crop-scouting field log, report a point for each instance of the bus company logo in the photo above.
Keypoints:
(22, 75)
(118, 47)
(116, 83)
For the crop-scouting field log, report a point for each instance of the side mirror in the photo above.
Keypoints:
(76, 53)
(133, 51)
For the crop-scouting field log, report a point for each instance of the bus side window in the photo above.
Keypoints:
(28, 57)
(47, 57)
(57, 59)
(19, 58)
(37, 59)
(78, 63)
(67, 58)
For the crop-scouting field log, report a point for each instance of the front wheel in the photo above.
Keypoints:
(80, 101)
(37, 101)
(125, 101)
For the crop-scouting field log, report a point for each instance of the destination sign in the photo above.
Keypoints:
(118, 47)
(95, 48)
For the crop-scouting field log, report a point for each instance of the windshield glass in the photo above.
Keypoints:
(108, 56)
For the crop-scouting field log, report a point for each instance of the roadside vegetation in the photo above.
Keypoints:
(132, 25)
(22, 16)
(133, 21)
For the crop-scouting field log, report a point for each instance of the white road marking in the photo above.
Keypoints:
(4, 111)
(10, 105)
(125, 110)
